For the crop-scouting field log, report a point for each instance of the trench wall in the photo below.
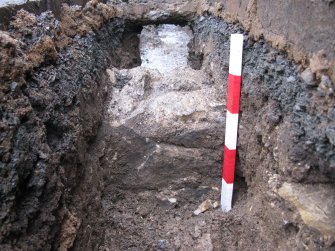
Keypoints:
(304, 29)
(37, 7)
(42, 160)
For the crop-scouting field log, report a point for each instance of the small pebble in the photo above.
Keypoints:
(13, 86)
(308, 77)
(162, 244)
(172, 200)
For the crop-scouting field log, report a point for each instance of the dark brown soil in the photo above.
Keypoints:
(68, 179)
(52, 91)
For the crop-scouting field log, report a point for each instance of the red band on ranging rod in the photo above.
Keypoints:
(233, 106)
(229, 165)
(234, 90)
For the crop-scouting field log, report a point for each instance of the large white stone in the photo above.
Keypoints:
(4, 3)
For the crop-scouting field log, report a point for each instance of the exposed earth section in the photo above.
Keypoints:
(104, 147)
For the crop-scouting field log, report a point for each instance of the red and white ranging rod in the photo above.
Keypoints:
(233, 106)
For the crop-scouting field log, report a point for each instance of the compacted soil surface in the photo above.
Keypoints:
(112, 130)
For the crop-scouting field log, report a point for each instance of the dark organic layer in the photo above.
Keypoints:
(56, 178)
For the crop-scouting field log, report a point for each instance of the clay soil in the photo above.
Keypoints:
(72, 180)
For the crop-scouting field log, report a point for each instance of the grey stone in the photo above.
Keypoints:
(13, 86)
(331, 114)
(162, 244)
(176, 107)
(291, 79)
(308, 77)
(330, 133)
(325, 81)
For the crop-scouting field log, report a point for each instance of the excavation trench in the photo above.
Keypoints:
(161, 143)
(118, 131)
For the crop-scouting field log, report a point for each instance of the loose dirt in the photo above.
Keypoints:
(100, 153)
